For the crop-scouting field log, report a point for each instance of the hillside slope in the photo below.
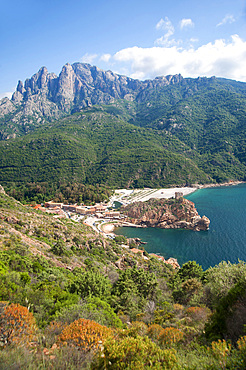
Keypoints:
(92, 126)
(99, 147)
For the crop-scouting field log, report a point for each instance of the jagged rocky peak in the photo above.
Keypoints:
(6, 107)
(83, 84)
(46, 96)
(39, 83)
(20, 87)
(170, 79)
(66, 81)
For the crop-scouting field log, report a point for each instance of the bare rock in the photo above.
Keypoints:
(166, 214)
(46, 96)
(2, 190)
(6, 107)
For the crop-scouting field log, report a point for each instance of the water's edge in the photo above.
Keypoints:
(225, 240)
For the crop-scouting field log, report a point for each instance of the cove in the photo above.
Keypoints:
(224, 241)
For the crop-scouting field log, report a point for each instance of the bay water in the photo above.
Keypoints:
(224, 241)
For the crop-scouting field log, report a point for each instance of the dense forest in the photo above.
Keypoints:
(69, 193)
(69, 299)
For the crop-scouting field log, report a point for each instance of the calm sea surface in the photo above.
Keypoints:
(225, 240)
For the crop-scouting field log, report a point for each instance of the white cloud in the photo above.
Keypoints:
(194, 39)
(220, 58)
(165, 25)
(88, 58)
(7, 94)
(105, 57)
(229, 18)
(186, 22)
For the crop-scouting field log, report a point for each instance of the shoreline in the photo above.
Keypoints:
(109, 227)
(191, 189)
(217, 185)
(127, 196)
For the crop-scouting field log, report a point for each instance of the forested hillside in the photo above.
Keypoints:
(98, 147)
(94, 127)
(71, 299)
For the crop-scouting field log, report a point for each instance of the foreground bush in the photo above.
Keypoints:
(170, 336)
(134, 353)
(85, 334)
(17, 324)
(154, 331)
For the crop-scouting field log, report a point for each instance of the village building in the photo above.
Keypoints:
(51, 204)
(100, 207)
(81, 210)
(69, 207)
(90, 211)
(111, 214)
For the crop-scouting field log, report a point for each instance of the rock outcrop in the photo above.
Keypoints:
(45, 96)
(166, 214)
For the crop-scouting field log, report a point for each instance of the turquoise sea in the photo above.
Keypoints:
(225, 240)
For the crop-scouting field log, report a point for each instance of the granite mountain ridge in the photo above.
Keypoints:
(46, 96)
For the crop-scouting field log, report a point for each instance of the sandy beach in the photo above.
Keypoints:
(168, 193)
(127, 196)
(107, 228)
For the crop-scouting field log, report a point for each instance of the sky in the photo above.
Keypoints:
(141, 39)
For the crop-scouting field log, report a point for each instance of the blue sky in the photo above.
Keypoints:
(142, 39)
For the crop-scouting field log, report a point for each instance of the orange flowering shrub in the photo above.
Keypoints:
(198, 313)
(241, 343)
(85, 334)
(221, 350)
(154, 331)
(17, 324)
(170, 336)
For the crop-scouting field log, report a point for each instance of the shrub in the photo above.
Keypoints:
(85, 334)
(92, 308)
(221, 350)
(198, 314)
(138, 328)
(170, 336)
(17, 324)
(134, 353)
(154, 331)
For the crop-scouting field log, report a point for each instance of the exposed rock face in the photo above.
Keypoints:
(46, 97)
(6, 107)
(2, 190)
(166, 214)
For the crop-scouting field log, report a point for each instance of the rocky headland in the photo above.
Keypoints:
(166, 214)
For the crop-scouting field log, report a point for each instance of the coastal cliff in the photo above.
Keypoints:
(166, 214)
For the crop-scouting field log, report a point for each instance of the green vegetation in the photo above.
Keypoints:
(188, 132)
(76, 309)
(98, 148)
(58, 192)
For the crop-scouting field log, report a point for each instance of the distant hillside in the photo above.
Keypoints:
(92, 126)
(98, 147)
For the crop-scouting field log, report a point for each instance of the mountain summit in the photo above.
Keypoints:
(95, 126)
(46, 96)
